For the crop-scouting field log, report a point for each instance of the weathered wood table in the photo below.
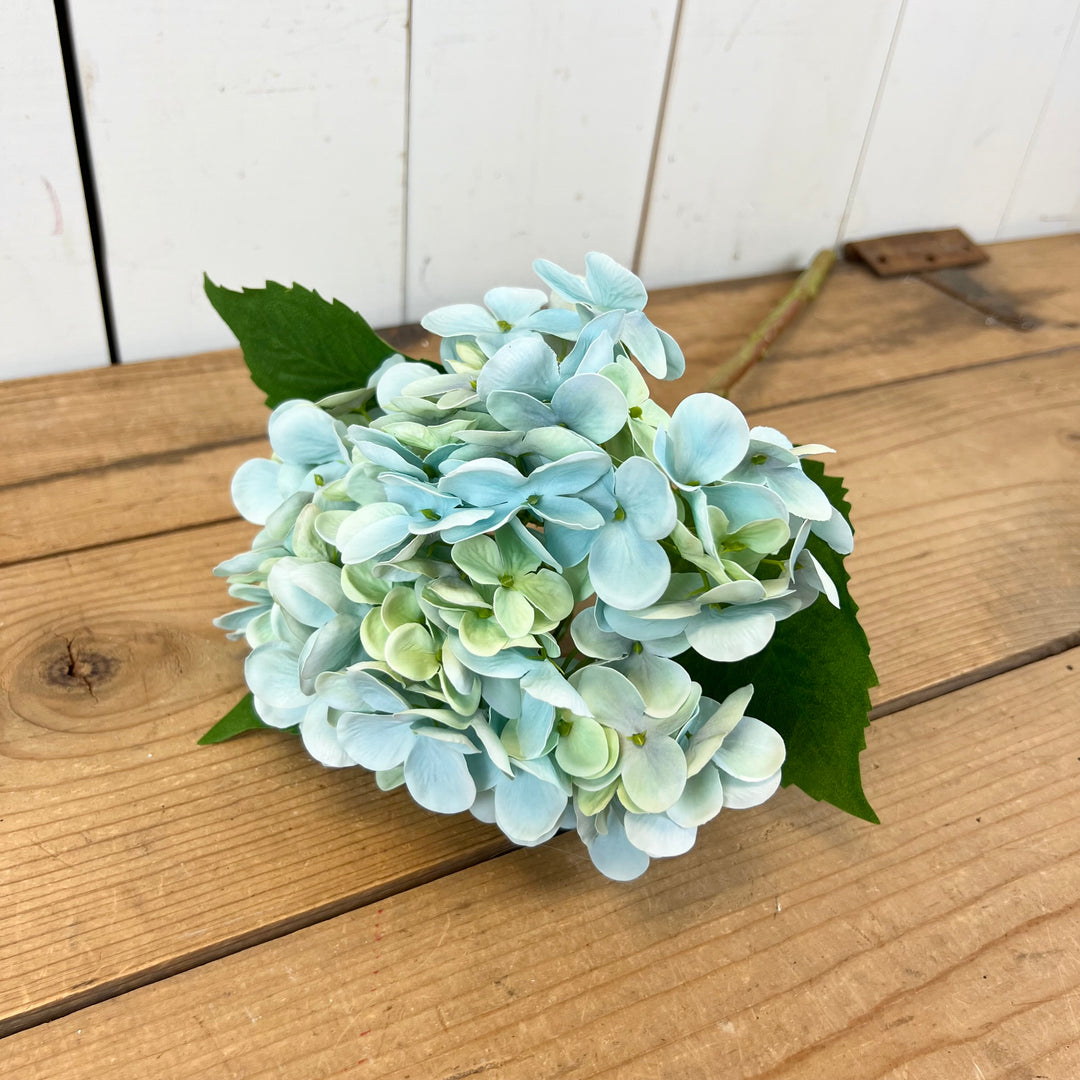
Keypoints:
(238, 911)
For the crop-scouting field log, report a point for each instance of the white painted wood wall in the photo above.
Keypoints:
(401, 154)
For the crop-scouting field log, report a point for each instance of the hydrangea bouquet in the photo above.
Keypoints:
(516, 586)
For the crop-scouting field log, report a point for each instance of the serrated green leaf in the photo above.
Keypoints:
(296, 344)
(811, 683)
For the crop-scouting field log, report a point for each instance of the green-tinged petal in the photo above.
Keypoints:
(272, 672)
(662, 683)
(481, 634)
(612, 698)
(306, 542)
(653, 773)
(513, 611)
(480, 559)
(438, 778)
(752, 751)
(658, 836)
(592, 802)
(583, 750)
(702, 799)
(400, 607)
(453, 592)
(373, 634)
(388, 779)
(361, 586)
(412, 653)
(492, 745)
(548, 592)
(715, 722)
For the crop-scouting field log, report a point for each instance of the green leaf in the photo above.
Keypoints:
(240, 718)
(811, 682)
(296, 344)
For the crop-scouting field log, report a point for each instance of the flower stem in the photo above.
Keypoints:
(773, 325)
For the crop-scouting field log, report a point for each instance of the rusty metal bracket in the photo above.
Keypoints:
(917, 252)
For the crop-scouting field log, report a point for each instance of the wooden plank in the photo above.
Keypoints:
(125, 849)
(766, 114)
(967, 511)
(863, 332)
(547, 153)
(960, 104)
(281, 159)
(50, 307)
(791, 942)
(1045, 198)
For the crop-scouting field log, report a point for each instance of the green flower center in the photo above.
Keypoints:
(635, 412)
(430, 515)
(504, 326)
(532, 500)
(507, 581)
(620, 514)
(319, 481)
(638, 739)
(759, 459)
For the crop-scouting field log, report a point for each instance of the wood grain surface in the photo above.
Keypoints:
(792, 942)
(239, 911)
(109, 653)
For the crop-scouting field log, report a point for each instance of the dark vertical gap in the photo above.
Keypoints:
(86, 170)
(658, 131)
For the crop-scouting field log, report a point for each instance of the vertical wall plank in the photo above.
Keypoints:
(1046, 198)
(50, 308)
(248, 140)
(530, 134)
(766, 113)
(964, 92)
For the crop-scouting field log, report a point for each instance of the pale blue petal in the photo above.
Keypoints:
(812, 572)
(658, 836)
(614, 856)
(358, 691)
(731, 634)
(526, 364)
(594, 348)
(663, 683)
(708, 438)
(801, 495)
(626, 570)
(590, 405)
(643, 491)
(396, 378)
(309, 592)
(519, 412)
(569, 475)
(526, 807)
(643, 340)
(334, 646)
(752, 751)
(534, 725)
(277, 717)
(569, 286)
(568, 546)
(457, 319)
(375, 742)
(611, 697)
(272, 671)
(545, 682)
(558, 322)
(568, 511)
(612, 285)
(746, 503)
(592, 641)
(302, 434)
(512, 305)
(485, 482)
(255, 489)
(836, 532)
(654, 774)
(320, 738)
(741, 795)
(702, 799)
(438, 778)
(673, 355)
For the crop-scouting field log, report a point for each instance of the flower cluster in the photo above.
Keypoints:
(476, 581)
